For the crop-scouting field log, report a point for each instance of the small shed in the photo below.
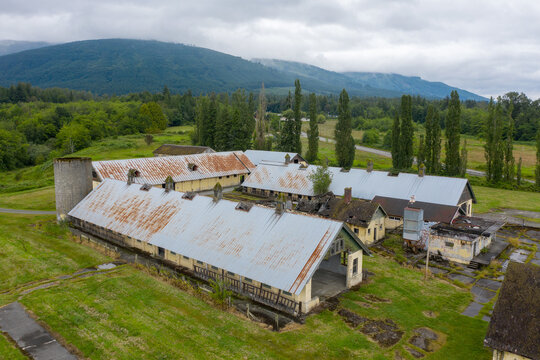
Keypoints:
(514, 329)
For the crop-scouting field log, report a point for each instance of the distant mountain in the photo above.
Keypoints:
(14, 46)
(120, 66)
(390, 85)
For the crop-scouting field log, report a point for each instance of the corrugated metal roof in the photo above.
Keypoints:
(155, 170)
(432, 212)
(279, 250)
(258, 156)
(292, 178)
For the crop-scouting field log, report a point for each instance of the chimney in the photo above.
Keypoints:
(287, 158)
(169, 184)
(411, 202)
(369, 166)
(347, 195)
(421, 170)
(131, 176)
(218, 192)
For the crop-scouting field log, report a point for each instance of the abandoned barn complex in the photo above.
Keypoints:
(277, 257)
(188, 172)
(514, 329)
(293, 181)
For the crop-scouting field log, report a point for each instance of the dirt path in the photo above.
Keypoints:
(27, 212)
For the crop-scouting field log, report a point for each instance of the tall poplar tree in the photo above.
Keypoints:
(509, 161)
(428, 144)
(260, 127)
(463, 160)
(421, 155)
(453, 130)
(518, 174)
(407, 133)
(297, 116)
(313, 132)
(222, 138)
(498, 145)
(343, 133)
(436, 144)
(396, 161)
(489, 146)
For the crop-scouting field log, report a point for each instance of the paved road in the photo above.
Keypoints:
(389, 155)
(30, 336)
(27, 212)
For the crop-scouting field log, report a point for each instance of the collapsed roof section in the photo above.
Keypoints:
(281, 250)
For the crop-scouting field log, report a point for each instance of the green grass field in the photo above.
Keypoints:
(491, 198)
(126, 313)
(35, 199)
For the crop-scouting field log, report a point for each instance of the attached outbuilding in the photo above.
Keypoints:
(514, 329)
(283, 259)
(263, 156)
(187, 173)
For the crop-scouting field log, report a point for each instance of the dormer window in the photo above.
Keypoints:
(192, 167)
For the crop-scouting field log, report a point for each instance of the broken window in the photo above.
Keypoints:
(369, 231)
(355, 266)
(266, 286)
(173, 253)
(214, 267)
(449, 244)
(192, 167)
(247, 279)
(356, 230)
(185, 257)
(287, 293)
(230, 273)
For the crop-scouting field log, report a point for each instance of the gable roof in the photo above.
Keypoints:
(173, 149)
(155, 170)
(515, 323)
(432, 212)
(260, 156)
(279, 250)
(292, 178)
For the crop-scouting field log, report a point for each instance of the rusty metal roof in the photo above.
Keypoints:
(155, 170)
(279, 250)
(292, 178)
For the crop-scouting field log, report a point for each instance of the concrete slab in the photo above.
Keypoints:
(473, 309)
(462, 278)
(482, 295)
(435, 270)
(489, 284)
(469, 272)
(30, 336)
(326, 284)
(107, 266)
(527, 241)
(519, 255)
(533, 234)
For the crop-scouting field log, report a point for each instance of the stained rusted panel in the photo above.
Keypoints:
(279, 250)
(155, 170)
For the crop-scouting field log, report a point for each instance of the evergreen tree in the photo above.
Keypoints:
(288, 129)
(420, 156)
(463, 160)
(509, 162)
(489, 146)
(436, 144)
(201, 111)
(222, 139)
(343, 133)
(407, 133)
(321, 179)
(518, 174)
(396, 161)
(210, 122)
(313, 132)
(260, 129)
(428, 144)
(453, 130)
(297, 116)
(242, 122)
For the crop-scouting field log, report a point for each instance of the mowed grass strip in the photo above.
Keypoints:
(129, 314)
(36, 248)
(9, 351)
(36, 199)
(494, 199)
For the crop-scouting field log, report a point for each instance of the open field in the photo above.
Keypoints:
(35, 199)
(475, 148)
(126, 313)
(491, 198)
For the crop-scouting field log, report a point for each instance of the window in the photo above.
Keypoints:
(287, 293)
(221, 177)
(235, 175)
(228, 176)
(449, 244)
(214, 267)
(356, 230)
(355, 266)
(369, 231)
(173, 253)
(199, 262)
(185, 257)
(230, 273)
(394, 218)
(247, 279)
(266, 286)
(380, 226)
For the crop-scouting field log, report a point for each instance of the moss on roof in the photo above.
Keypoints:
(515, 324)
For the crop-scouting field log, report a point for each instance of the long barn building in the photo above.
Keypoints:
(277, 257)
(196, 172)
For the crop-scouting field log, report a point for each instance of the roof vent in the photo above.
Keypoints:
(169, 184)
(146, 187)
(192, 167)
(345, 170)
(287, 158)
(189, 195)
(244, 206)
(369, 166)
(303, 166)
(393, 173)
(131, 175)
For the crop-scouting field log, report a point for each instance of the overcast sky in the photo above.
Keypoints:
(487, 47)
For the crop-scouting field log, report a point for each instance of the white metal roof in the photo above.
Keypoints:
(292, 178)
(259, 156)
(155, 170)
(279, 250)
